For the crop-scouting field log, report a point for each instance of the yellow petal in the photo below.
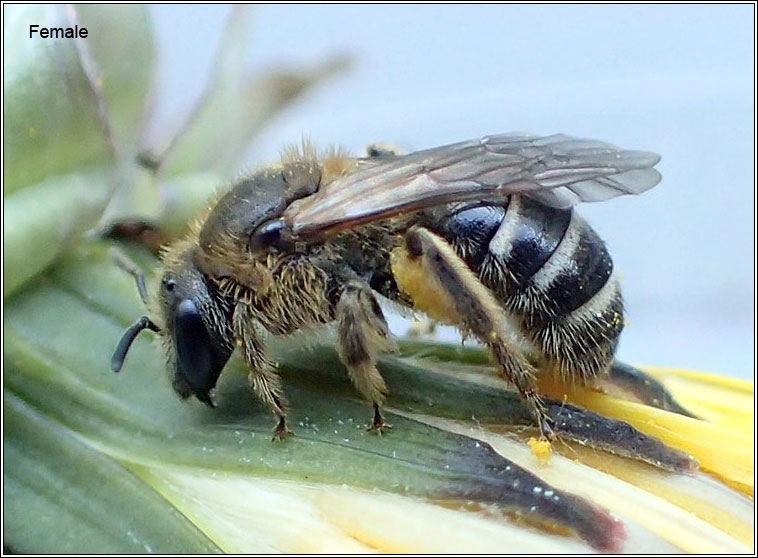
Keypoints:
(724, 444)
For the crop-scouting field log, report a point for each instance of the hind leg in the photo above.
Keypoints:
(442, 285)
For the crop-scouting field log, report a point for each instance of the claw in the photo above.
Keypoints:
(379, 428)
(281, 431)
(546, 431)
(377, 424)
(280, 435)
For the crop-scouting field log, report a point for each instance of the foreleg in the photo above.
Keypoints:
(264, 381)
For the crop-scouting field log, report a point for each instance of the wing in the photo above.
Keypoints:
(557, 170)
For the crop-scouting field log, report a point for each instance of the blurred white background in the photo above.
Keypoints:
(677, 80)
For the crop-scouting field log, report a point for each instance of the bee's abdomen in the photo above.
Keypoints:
(552, 272)
(510, 246)
(526, 240)
(471, 230)
(576, 271)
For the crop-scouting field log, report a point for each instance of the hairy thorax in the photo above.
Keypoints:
(283, 293)
(294, 294)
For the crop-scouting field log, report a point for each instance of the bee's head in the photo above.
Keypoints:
(192, 318)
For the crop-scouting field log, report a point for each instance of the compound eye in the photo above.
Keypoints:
(194, 350)
(272, 234)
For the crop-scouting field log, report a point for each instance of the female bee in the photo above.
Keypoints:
(478, 234)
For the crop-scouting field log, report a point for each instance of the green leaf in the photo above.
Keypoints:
(61, 496)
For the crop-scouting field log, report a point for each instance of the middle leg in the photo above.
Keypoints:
(362, 334)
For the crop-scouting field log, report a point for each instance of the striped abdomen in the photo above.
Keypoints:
(552, 272)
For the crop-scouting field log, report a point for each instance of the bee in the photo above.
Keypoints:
(479, 234)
